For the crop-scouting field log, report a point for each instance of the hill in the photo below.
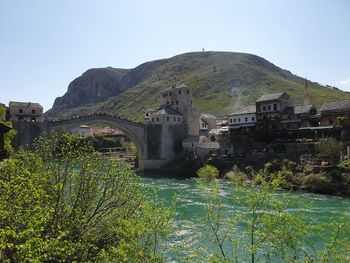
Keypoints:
(221, 83)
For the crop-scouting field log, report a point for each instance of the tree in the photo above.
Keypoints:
(9, 135)
(265, 229)
(63, 202)
(330, 148)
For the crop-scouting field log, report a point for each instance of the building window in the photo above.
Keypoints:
(177, 108)
(269, 107)
(157, 119)
(246, 119)
(167, 102)
(179, 92)
(33, 119)
(146, 114)
(172, 103)
(33, 111)
(275, 106)
(234, 120)
(20, 118)
(253, 119)
(164, 95)
(20, 110)
(230, 120)
(330, 122)
(188, 92)
(167, 118)
(264, 108)
(177, 103)
(174, 118)
(152, 119)
(239, 119)
(169, 93)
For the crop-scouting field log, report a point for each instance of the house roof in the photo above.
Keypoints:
(245, 110)
(340, 105)
(303, 109)
(24, 104)
(205, 143)
(207, 116)
(167, 110)
(150, 110)
(268, 97)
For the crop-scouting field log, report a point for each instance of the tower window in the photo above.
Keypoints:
(179, 92)
(169, 93)
(275, 106)
(188, 92)
(177, 103)
(167, 118)
(33, 111)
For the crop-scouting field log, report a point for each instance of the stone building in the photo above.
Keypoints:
(180, 98)
(25, 111)
(243, 121)
(207, 122)
(335, 113)
(165, 115)
(296, 117)
(269, 110)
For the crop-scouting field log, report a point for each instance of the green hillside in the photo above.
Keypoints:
(221, 83)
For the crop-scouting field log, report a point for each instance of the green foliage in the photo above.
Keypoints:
(65, 203)
(208, 172)
(330, 148)
(9, 135)
(265, 228)
(237, 81)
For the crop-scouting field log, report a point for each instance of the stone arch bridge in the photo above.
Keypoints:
(155, 144)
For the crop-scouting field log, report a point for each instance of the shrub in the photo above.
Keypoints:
(329, 148)
(208, 172)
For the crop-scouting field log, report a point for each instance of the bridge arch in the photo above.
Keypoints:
(134, 130)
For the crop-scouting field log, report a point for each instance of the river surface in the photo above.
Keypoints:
(191, 231)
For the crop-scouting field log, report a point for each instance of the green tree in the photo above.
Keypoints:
(264, 229)
(63, 202)
(9, 135)
(330, 148)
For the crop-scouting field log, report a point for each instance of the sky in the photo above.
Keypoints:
(44, 45)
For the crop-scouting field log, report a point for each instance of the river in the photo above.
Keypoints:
(190, 228)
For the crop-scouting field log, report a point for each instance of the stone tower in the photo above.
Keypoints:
(180, 98)
(306, 93)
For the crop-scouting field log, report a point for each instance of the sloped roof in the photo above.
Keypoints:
(340, 105)
(245, 110)
(167, 110)
(303, 109)
(268, 97)
(150, 110)
(208, 116)
(24, 104)
(205, 143)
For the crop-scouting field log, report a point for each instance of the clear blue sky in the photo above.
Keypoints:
(44, 45)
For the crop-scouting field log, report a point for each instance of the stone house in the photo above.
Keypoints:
(207, 122)
(269, 110)
(297, 117)
(242, 121)
(25, 111)
(165, 115)
(335, 113)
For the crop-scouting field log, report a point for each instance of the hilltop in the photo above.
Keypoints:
(221, 82)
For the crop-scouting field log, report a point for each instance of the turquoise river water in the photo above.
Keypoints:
(191, 232)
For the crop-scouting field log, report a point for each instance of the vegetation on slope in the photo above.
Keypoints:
(221, 82)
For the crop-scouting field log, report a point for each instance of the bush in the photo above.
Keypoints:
(64, 203)
(208, 172)
(329, 148)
